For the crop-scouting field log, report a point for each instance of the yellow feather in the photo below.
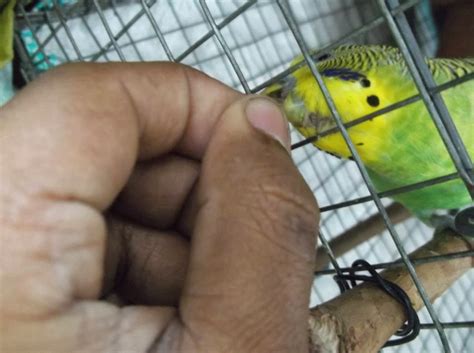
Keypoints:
(350, 99)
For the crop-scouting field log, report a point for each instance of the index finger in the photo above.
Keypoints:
(76, 132)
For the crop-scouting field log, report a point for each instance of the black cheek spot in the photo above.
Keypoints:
(365, 82)
(373, 101)
(360, 144)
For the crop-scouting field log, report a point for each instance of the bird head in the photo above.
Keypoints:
(354, 77)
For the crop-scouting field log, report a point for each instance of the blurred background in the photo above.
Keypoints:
(48, 33)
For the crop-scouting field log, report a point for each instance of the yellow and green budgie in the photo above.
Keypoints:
(398, 148)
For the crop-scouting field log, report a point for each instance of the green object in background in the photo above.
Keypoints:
(6, 31)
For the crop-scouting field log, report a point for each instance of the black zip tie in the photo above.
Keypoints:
(411, 328)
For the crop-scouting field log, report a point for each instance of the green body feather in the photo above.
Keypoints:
(418, 153)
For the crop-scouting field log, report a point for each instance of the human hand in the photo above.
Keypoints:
(147, 181)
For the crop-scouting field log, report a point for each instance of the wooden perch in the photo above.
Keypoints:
(363, 319)
(360, 233)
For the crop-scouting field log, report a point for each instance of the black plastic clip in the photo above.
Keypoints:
(410, 330)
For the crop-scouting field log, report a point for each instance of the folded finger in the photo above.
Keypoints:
(157, 190)
(144, 265)
(68, 145)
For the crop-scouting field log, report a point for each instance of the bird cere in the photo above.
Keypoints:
(398, 148)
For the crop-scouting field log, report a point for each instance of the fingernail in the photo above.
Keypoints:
(266, 116)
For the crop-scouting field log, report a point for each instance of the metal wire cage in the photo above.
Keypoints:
(249, 45)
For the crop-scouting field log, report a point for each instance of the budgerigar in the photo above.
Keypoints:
(398, 148)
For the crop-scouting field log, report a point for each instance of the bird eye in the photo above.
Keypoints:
(373, 101)
(365, 82)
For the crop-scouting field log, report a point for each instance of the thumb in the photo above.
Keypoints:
(253, 244)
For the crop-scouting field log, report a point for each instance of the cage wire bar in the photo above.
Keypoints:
(113, 39)
(156, 28)
(393, 264)
(58, 17)
(217, 32)
(284, 6)
(359, 31)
